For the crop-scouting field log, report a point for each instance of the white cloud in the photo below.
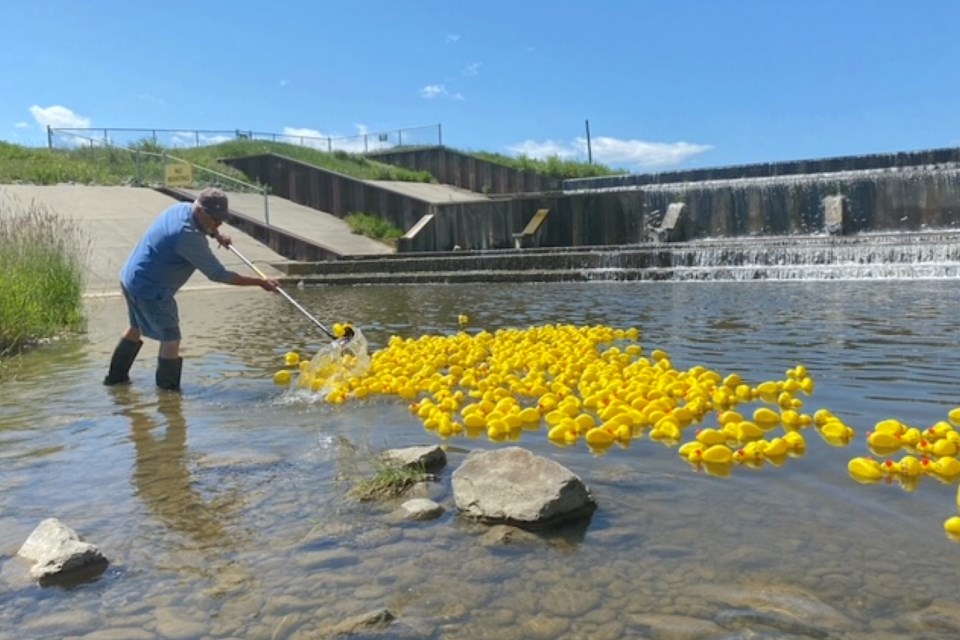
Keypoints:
(472, 69)
(22, 125)
(58, 116)
(546, 149)
(433, 91)
(614, 151)
(453, 38)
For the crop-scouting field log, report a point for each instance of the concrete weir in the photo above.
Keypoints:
(821, 257)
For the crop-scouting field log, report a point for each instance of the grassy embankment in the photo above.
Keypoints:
(554, 166)
(114, 165)
(41, 275)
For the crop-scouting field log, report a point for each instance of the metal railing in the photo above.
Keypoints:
(427, 135)
(151, 167)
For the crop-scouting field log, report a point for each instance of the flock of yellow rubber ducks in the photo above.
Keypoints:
(597, 385)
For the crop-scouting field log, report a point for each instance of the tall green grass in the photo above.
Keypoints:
(554, 166)
(42, 258)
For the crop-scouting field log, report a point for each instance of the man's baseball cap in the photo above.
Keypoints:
(214, 202)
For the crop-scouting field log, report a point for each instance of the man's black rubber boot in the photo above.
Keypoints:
(123, 357)
(168, 373)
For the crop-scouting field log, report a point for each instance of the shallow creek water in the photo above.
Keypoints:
(224, 512)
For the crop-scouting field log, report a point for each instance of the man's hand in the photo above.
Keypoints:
(269, 284)
(223, 241)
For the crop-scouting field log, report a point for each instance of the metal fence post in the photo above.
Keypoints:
(440, 134)
(49, 137)
(139, 171)
(266, 206)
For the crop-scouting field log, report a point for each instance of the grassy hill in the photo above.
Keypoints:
(115, 165)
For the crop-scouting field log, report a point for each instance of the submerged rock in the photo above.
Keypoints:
(59, 555)
(513, 486)
(366, 622)
(420, 509)
(431, 458)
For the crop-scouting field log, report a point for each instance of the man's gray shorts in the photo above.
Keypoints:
(156, 319)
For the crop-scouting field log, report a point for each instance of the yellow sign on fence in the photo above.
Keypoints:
(178, 175)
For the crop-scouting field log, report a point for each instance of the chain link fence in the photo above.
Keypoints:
(61, 137)
(148, 168)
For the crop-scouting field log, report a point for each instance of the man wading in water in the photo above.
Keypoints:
(170, 251)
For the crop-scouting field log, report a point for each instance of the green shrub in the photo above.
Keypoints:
(41, 275)
(372, 226)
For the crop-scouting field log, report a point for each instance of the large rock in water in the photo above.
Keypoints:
(59, 554)
(513, 486)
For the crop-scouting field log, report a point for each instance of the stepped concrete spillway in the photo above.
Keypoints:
(114, 218)
(823, 257)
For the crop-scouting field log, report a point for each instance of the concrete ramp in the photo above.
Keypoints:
(429, 192)
(321, 228)
(112, 220)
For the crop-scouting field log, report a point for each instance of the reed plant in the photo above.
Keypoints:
(390, 480)
(42, 257)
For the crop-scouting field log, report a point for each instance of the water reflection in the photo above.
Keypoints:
(161, 474)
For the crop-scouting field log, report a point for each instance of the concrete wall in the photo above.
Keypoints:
(574, 220)
(466, 171)
(928, 158)
(901, 200)
(329, 191)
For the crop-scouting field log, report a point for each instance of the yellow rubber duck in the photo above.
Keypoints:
(944, 447)
(776, 448)
(836, 433)
(890, 467)
(865, 469)
(947, 467)
(718, 454)
(691, 451)
(954, 416)
(795, 441)
(912, 467)
(883, 440)
(952, 526)
(710, 437)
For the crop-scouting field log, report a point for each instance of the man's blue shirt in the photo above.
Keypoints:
(170, 251)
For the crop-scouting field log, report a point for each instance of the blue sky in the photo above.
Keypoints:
(665, 84)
